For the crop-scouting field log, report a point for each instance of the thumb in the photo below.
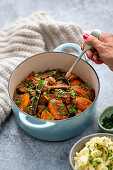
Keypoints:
(92, 41)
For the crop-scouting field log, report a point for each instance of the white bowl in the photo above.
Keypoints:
(81, 143)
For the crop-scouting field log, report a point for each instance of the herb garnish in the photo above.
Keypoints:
(19, 87)
(61, 91)
(57, 95)
(17, 103)
(84, 95)
(108, 122)
(73, 109)
(22, 101)
(74, 93)
(85, 87)
(89, 150)
(32, 87)
(90, 159)
(88, 102)
(17, 95)
(38, 91)
(38, 75)
(41, 83)
(53, 73)
(97, 161)
(77, 86)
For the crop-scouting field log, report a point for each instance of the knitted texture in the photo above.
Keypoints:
(26, 37)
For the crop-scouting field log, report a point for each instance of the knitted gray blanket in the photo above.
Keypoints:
(26, 37)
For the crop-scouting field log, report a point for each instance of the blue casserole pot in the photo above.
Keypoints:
(60, 129)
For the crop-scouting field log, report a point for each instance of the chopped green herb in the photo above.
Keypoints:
(41, 83)
(17, 103)
(85, 87)
(23, 83)
(61, 105)
(38, 91)
(27, 83)
(36, 97)
(88, 102)
(108, 122)
(111, 158)
(57, 95)
(61, 91)
(90, 159)
(89, 150)
(54, 103)
(74, 93)
(99, 147)
(97, 161)
(46, 95)
(32, 98)
(58, 113)
(107, 156)
(53, 73)
(34, 103)
(47, 109)
(38, 75)
(17, 95)
(77, 86)
(50, 117)
(22, 101)
(32, 87)
(109, 166)
(29, 91)
(73, 109)
(84, 95)
(19, 87)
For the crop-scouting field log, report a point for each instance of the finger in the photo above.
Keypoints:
(106, 37)
(97, 59)
(89, 54)
(92, 41)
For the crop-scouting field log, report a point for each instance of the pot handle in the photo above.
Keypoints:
(62, 47)
(27, 123)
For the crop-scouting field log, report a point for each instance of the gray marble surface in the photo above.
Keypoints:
(18, 150)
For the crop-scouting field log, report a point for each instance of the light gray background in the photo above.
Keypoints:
(18, 150)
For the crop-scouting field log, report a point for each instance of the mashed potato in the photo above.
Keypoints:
(96, 155)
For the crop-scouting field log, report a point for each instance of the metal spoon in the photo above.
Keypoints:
(96, 33)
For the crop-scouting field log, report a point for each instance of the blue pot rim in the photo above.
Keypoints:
(54, 53)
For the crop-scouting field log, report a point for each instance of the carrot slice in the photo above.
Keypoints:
(57, 108)
(46, 115)
(25, 100)
(80, 91)
(83, 103)
(75, 83)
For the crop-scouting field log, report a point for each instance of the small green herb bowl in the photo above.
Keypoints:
(106, 113)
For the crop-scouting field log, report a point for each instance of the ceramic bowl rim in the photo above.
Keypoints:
(101, 115)
(91, 135)
(53, 53)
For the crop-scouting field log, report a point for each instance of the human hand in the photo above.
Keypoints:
(102, 49)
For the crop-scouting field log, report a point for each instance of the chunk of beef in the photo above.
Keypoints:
(43, 100)
(40, 109)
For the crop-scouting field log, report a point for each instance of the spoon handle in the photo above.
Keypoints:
(95, 33)
(75, 63)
